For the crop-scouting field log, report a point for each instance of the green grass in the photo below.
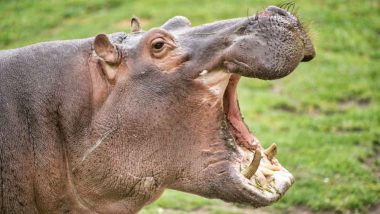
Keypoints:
(325, 117)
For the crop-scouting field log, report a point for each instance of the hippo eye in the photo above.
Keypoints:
(158, 45)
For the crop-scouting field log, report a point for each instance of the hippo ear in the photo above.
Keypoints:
(135, 24)
(177, 22)
(105, 49)
(109, 54)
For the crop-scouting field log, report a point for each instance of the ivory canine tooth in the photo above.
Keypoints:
(261, 178)
(203, 72)
(289, 182)
(252, 168)
(272, 167)
(267, 172)
(271, 151)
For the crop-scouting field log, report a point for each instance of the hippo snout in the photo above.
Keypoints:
(309, 51)
(269, 46)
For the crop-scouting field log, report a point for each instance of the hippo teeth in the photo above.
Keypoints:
(260, 167)
(271, 151)
(252, 168)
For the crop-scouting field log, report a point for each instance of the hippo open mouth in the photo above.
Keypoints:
(256, 172)
(270, 46)
(258, 166)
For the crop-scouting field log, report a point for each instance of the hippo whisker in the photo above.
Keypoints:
(256, 16)
(289, 6)
(282, 5)
(248, 16)
(292, 7)
(251, 20)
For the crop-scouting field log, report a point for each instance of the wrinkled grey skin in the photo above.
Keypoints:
(74, 140)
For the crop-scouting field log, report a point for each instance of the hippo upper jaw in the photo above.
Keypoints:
(268, 46)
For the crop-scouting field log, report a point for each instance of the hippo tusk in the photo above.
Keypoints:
(252, 168)
(267, 172)
(271, 151)
(272, 167)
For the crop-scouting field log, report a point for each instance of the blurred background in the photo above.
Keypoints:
(325, 117)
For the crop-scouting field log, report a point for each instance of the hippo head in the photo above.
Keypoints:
(168, 116)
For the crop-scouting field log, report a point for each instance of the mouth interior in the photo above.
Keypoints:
(258, 170)
(238, 128)
(257, 165)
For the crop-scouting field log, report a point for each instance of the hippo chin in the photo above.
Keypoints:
(105, 124)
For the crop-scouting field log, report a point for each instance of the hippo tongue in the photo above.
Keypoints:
(237, 126)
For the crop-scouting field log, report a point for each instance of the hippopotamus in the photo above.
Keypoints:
(106, 124)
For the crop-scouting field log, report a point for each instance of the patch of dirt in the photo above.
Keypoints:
(305, 210)
(342, 106)
(348, 128)
(285, 107)
(360, 102)
(277, 89)
(314, 111)
(230, 208)
(373, 160)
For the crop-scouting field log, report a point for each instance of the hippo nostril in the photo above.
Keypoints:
(278, 10)
(309, 55)
(307, 58)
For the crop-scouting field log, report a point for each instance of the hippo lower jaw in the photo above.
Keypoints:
(257, 175)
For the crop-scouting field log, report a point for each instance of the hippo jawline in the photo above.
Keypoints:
(257, 170)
